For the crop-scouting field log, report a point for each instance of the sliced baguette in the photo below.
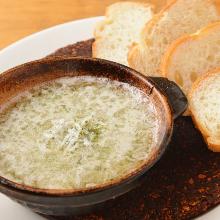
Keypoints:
(180, 17)
(204, 99)
(120, 29)
(192, 56)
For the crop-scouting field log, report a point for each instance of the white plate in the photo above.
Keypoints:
(37, 46)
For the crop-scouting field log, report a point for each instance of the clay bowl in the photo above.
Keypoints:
(168, 99)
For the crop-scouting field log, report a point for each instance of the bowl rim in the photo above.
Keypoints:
(156, 153)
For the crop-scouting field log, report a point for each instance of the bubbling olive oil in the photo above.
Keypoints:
(75, 133)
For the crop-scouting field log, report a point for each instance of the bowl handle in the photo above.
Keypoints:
(177, 99)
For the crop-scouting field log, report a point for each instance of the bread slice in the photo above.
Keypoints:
(180, 17)
(192, 56)
(120, 29)
(204, 99)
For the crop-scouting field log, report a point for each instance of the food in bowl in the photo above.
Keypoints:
(76, 132)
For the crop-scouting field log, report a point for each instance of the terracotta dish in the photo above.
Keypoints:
(168, 100)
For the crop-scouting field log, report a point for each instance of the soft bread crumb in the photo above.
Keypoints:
(192, 56)
(204, 101)
(120, 29)
(177, 19)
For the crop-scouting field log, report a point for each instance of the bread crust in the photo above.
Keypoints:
(180, 41)
(149, 26)
(213, 145)
(135, 51)
(132, 53)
